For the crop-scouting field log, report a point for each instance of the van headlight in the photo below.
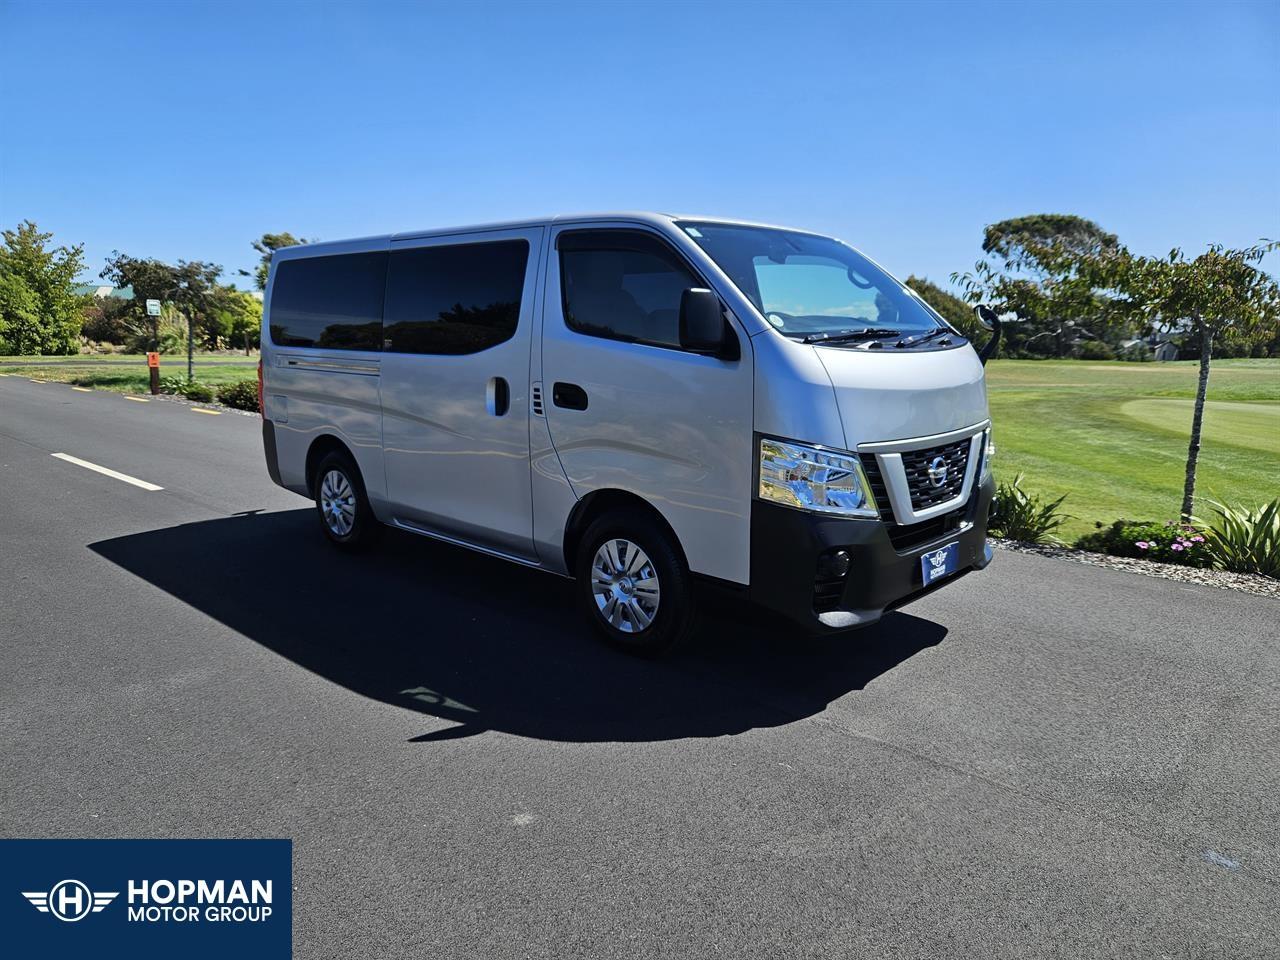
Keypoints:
(814, 479)
(988, 451)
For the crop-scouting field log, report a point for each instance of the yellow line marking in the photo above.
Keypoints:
(213, 413)
(138, 399)
(82, 389)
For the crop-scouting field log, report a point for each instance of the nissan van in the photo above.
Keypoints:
(649, 404)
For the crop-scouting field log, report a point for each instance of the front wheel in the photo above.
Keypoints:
(634, 585)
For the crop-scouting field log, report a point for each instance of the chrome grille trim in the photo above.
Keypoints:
(903, 465)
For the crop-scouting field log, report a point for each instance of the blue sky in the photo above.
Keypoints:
(187, 130)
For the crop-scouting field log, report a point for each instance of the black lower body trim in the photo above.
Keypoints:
(883, 574)
(269, 449)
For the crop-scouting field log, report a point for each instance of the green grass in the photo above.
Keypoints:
(215, 369)
(1113, 436)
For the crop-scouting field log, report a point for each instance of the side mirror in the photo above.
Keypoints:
(991, 321)
(702, 326)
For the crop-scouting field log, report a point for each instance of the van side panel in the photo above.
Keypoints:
(310, 392)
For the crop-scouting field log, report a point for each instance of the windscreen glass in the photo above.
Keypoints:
(807, 286)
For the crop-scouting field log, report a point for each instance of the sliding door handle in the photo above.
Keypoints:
(497, 396)
(569, 395)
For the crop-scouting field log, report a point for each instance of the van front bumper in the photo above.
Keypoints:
(786, 545)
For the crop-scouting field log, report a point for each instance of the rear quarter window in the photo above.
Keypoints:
(455, 298)
(334, 302)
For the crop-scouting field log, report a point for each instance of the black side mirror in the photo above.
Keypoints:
(987, 317)
(990, 320)
(702, 325)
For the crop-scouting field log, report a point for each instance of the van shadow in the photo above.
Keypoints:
(489, 645)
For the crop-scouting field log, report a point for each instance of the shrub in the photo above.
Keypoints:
(1096, 350)
(1171, 542)
(1018, 515)
(1245, 540)
(191, 389)
(243, 395)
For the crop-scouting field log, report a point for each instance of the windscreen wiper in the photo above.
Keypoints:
(866, 333)
(912, 341)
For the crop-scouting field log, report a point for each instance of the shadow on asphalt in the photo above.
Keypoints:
(490, 645)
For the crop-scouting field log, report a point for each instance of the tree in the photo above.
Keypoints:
(268, 244)
(40, 311)
(1033, 276)
(241, 318)
(191, 287)
(950, 307)
(1222, 293)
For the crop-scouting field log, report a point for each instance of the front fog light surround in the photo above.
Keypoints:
(812, 478)
(988, 451)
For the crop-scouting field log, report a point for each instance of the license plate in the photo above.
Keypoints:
(940, 563)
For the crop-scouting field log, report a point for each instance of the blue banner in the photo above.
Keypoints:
(147, 898)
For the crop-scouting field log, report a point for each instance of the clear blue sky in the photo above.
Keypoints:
(187, 130)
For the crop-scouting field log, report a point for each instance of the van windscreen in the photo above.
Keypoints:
(807, 285)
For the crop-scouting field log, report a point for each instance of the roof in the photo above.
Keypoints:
(649, 218)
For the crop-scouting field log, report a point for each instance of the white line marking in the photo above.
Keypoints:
(138, 399)
(214, 413)
(82, 389)
(103, 470)
(38, 381)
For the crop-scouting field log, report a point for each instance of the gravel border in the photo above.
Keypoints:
(1222, 579)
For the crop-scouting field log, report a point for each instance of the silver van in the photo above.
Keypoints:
(650, 404)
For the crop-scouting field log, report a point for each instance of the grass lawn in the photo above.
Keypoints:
(1113, 436)
(133, 376)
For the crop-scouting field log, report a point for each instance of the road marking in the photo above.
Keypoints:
(38, 381)
(138, 399)
(106, 472)
(82, 389)
(212, 413)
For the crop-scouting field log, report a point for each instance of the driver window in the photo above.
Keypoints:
(623, 285)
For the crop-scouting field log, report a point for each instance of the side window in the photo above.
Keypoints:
(623, 284)
(454, 299)
(333, 302)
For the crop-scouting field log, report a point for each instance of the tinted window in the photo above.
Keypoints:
(623, 284)
(333, 302)
(455, 299)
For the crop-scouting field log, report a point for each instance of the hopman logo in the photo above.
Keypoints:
(70, 900)
(938, 559)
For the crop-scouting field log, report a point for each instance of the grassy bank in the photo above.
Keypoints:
(108, 372)
(1113, 436)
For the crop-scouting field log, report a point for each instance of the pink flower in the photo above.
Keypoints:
(1175, 546)
(1142, 545)
(1197, 539)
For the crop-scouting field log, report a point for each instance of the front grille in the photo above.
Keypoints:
(871, 467)
(925, 491)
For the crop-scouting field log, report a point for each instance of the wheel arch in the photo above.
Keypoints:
(599, 502)
(320, 448)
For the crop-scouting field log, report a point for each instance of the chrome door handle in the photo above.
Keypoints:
(497, 396)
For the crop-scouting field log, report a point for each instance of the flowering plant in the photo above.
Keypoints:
(1171, 542)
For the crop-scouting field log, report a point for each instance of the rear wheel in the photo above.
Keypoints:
(634, 585)
(345, 514)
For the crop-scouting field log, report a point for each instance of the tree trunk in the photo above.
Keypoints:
(1197, 419)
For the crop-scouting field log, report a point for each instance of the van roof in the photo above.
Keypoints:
(634, 216)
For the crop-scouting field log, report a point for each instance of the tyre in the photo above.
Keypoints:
(633, 584)
(345, 515)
